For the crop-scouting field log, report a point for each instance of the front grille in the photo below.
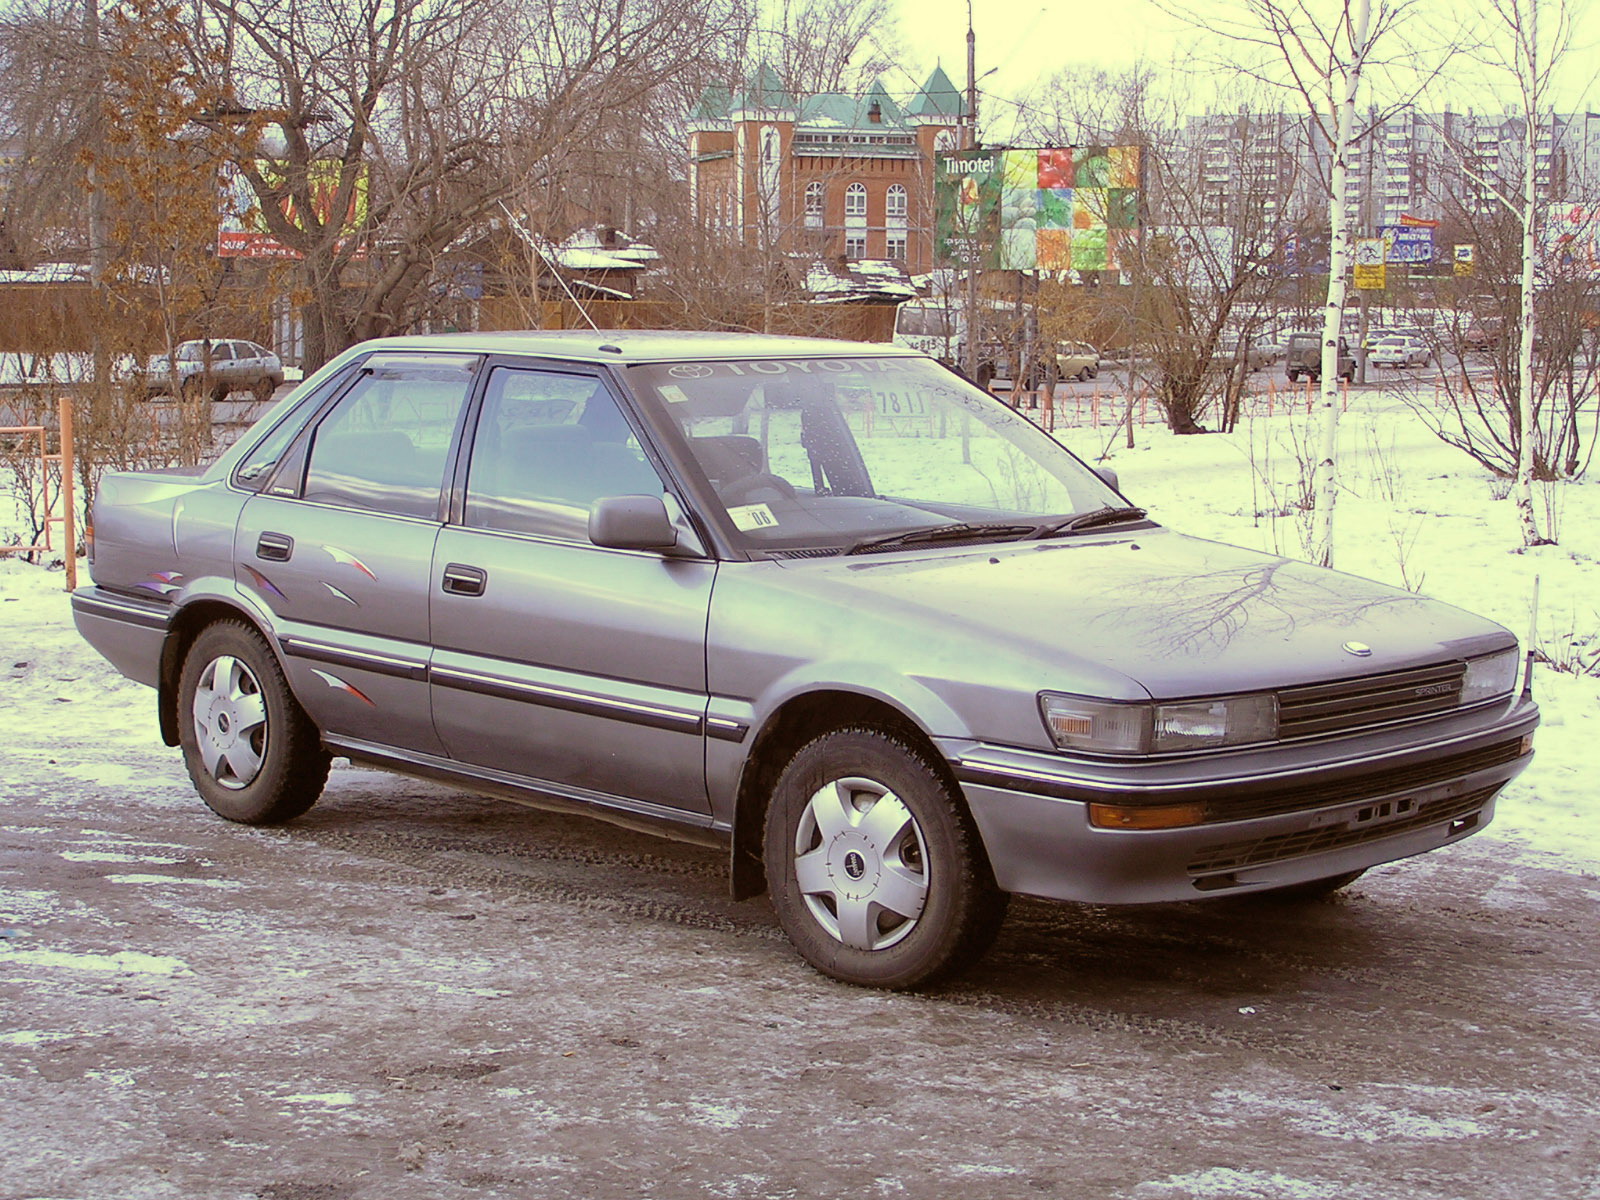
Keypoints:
(1370, 825)
(1381, 783)
(1370, 700)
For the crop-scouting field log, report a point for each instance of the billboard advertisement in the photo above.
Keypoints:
(243, 232)
(1057, 209)
(1569, 236)
(1408, 243)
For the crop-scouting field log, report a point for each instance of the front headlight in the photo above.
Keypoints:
(1106, 727)
(1489, 676)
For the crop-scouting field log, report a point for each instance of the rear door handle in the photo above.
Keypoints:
(274, 547)
(462, 580)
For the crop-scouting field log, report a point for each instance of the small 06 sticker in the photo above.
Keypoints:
(752, 516)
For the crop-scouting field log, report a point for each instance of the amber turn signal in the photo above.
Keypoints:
(1166, 816)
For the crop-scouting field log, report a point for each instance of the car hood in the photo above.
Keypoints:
(1158, 613)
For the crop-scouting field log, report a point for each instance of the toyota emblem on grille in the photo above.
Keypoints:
(1359, 649)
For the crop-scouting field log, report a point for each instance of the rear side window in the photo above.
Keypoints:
(385, 444)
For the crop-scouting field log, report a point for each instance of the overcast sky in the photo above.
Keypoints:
(1024, 41)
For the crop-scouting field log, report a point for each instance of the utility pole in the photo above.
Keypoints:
(969, 141)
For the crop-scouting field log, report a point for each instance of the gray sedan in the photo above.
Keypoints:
(823, 605)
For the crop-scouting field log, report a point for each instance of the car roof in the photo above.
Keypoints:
(637, 345)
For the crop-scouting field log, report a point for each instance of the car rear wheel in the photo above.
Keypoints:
(253, 754)
(263, 389)
(873, 864)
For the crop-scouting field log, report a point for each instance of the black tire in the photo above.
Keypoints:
(1301, 893)
(1085, 374)
(263, 761)
(1294, 376)
(263, 389)
(985, 375)
(1092, 371)
(923, 853)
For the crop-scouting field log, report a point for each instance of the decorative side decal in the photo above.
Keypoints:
(350, 560)
(340, 685)
(163, 583)
(262, 582)
(340, 595)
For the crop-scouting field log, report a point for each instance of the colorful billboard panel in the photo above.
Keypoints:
(244, 233)
(1053, 209)
(1407, 243)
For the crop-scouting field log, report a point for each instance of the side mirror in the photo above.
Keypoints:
(631, 523)
(1108, 476)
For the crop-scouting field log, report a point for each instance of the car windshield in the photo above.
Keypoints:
(839, 452)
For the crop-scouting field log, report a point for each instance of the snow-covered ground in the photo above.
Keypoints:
(1412, 512)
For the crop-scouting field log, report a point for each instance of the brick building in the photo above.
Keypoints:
(833, 174)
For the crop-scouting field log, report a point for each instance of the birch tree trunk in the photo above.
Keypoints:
(1358, 17)
(1528, 68)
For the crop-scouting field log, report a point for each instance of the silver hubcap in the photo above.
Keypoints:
(861, 863)
(230, 722)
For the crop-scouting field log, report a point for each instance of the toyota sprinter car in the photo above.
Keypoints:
(826, 606)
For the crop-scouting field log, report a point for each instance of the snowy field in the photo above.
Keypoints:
(1412, 512)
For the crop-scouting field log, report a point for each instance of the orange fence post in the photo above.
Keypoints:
(69, 500)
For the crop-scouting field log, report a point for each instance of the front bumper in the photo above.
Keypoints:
(1274, 816)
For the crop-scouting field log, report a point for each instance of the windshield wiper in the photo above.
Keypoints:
(961, 532)
(1111, 514)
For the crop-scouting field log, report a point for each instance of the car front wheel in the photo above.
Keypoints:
(873, 864)
(253, 754)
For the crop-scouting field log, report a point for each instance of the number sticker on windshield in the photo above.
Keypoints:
(894, 403)
(752, 516)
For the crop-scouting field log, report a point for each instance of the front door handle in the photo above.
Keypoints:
(462, 580)
(274, 547)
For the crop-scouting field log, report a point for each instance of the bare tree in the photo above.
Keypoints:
(1515, 416)
(49, 78)
(397, 129)
(1526, 40)
(1320, 51)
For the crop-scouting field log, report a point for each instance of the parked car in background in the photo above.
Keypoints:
(825, 606)
(1303, 357)
(1482, 335)
(214, 367)
(1399, 351)
(1077, 360)
(1255, 353)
